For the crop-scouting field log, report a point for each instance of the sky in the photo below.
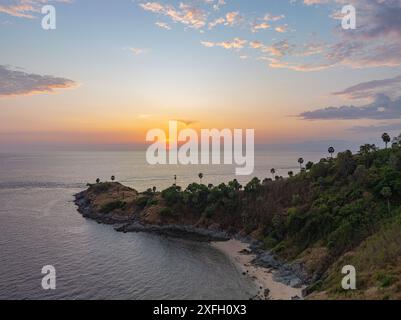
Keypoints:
(112, 70)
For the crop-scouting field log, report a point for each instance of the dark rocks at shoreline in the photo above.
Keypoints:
(128, 224)
(177, 231)
(83, 204)
(291, 275)
(85, 208)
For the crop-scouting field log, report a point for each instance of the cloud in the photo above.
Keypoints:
(306, 67)
(218, 4)
(386, 127)
(269, 17)
(17, 83)
(236, 43)
(137, 51)
(383, 108)
(282, 29)
(265, 23)
(371, 88)
(260, 26)
(376, 41)
(186, 121)
(186, 14)
(26, 8)
(163, 25)
(216, 22)
(277, 49)
(256, 44)
(230, 19)
(312, 2)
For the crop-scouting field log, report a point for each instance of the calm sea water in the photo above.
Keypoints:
(39, 226)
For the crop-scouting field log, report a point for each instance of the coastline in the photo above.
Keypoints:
(274, 279)
(268, 288)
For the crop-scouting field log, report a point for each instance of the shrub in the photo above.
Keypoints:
(172, 195)
(152, 202)
(209, 211)
(111, 206)
(385, 280)
(166, 212)
(100, 187)
(296, 200)
(142, 202)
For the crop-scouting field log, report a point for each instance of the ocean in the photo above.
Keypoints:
(39, 226)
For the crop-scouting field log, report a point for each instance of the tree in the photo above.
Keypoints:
(386, 193)
(200, 175)
(345, 164)
(113, 178)
(290, 174)
(367, 153)
(154, 189)
(367, 148)
(97, 180)
(253, 185)
(309, 165)
(273, 172)
(397, 141)
(386, 138)
(175, 180)
(300, 161)
(234, 185)
(331, 151)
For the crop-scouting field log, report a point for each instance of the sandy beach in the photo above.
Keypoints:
(262, 277)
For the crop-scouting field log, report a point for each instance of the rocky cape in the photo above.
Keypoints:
(125, 208)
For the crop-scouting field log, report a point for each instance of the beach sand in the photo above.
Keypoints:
(262, 277)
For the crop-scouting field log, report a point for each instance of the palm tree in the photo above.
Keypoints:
(300, 161)
(331, 151)
(386, 193)
(97, 180)
(386, 138)
(200, 175)
(273, 172)
(113, 178)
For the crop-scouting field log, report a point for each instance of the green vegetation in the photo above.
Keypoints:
(332, 206)
(166, 212)
(111, 206)
(100, 187)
